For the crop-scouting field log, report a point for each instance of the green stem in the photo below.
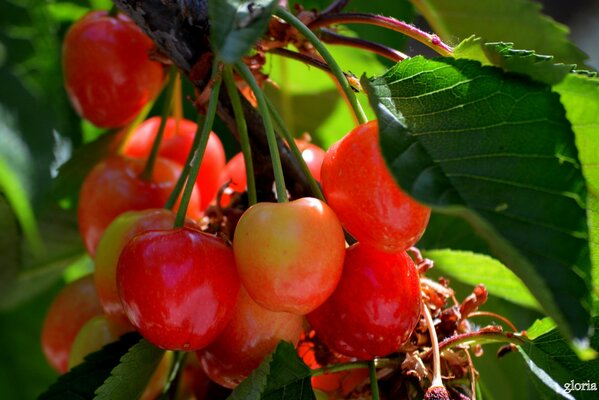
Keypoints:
(287, 136)
(242, 129)
(171, 383)
(331, 369)
(146, 174)
(246, 74)
(322, 50)
(374, 384)
(198, 153)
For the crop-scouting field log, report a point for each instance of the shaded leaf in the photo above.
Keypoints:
(497, 150)
(9, 245)
(129, 379)
(81, 382)
(553, 363)
(518, 21)
(473, 269)
(236, 25)
(539, 67)
(281, 376)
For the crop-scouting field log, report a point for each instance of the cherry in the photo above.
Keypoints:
(313, 156)
(251, 335)
(364, 195)
(375, 306)
(93, 335)
(76, 303)
(114, 186)
(178, 286)
(175, 146)
(114, 239)
(289, 255)
(109, 76)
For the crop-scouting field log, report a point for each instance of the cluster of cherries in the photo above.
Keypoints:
(286, 272)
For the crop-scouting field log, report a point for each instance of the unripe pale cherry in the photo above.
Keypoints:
(289, 255)
(178, 286)
(359, 187)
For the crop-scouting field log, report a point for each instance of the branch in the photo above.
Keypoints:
(180, 29)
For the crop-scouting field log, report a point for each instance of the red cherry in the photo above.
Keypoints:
(178, 287)
(114, 186)
(312, 155)
(175, 145)
(71, 309)
(235, 173)
(109, 76)
(289, 255)
(251, 335)
(366, 198)
(114, 239)
(375, 307)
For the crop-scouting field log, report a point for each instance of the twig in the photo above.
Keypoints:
(331, 37)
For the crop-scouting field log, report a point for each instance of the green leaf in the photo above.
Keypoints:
(556, 365)
(236, 26)
(473, 269)
(497, 150)
(129, 379)
(539, 67)
(580, 97)
(540, 327)
(9, 245)
(281, 376)
(517, 21)
(81, 382)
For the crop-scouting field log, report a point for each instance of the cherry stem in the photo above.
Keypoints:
(146, 174)
(336, 6)
(198, 152)
(312, 61)
(493, 315)
(374, 384)
(244, 139)
(322, 50)
(437, 381)
(331, 369)
(113, 12)
(479, 337)
(331, 37)
(170, 203)
(173, 377)
(131, 127)
(431, 40)
(288, 137)
(277, 168)
(177, 103)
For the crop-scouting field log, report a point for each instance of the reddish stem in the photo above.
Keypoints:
(331, 37)
(493, 315)
(431, 40)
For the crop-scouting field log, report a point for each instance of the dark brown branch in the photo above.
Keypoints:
(180, 29)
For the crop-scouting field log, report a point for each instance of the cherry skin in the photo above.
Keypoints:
(289, 255)
(175, 146)
(251, 335)
(115, 186)
(313, 156)
(109, 76)
(76, 303)
(364, 195)
(178, 287)
(114, 239)
(375, 307)
(93, 335)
